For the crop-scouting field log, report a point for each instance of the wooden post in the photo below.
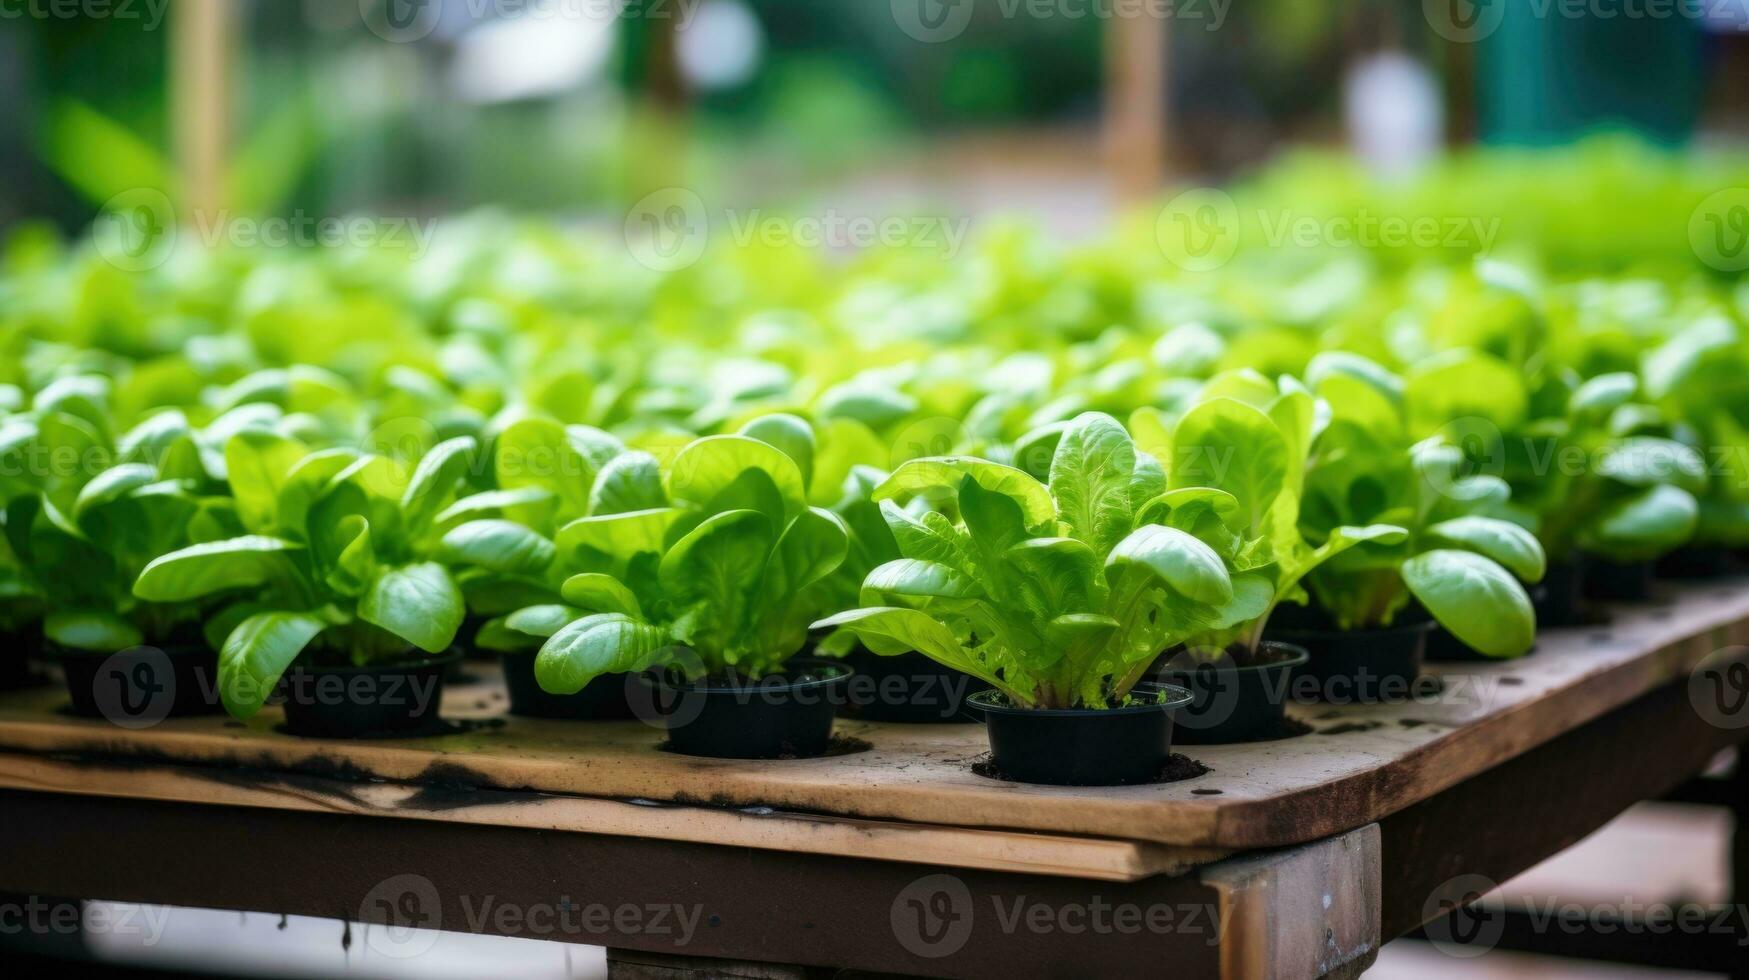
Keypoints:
(656, 138)
(202, 54)
(1136, 105)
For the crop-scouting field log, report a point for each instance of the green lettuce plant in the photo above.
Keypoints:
(706, 565)
(1602, 479)
(1251, 440)
(1059, 594)
(1462, 560)
(336, 563)
(1697, 377)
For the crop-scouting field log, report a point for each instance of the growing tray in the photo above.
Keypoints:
(910, 792)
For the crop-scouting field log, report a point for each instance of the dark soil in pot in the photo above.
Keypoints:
(1619, 581)
(1559, 599)
(1699, 563)
(141, 686)
(781, 716)
(1358, 666)
(1233, 701)
(908, 689)
(1124, 746)
(603, 699)
(398, 700)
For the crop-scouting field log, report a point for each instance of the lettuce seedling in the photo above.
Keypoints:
(1462, 560)
(84, 516)
(336, 562)
(1251, 440)
(1060, 594)
(1697, 377)
(1601, 480)
(705, 566)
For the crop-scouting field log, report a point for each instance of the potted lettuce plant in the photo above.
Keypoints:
(1458, 570)
(706, 581)
(1247, 442)
(1606, 493)
(1696, 377)
(511, 552)
(1059, 594)
(22, 599)
(842, 461)
(88, 515)
(332, 586)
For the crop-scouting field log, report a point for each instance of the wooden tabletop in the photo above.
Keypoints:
(911, 793)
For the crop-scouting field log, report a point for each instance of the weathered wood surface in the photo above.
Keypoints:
(1360, 764)
(1091, 858)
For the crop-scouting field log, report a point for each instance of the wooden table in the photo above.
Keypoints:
(1293, 858)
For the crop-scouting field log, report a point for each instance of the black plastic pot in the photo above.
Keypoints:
(603, 699)
(142, 686)
(781, 716)
(1083, 747)
(378, 701)
(1358, 666)
(908, 689)
(1699, 563)
(18, 650)
(1619, 581)
(1559, 600)
(1233, 703)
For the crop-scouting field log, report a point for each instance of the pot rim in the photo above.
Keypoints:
(832, 672)
(1300, 656)
(444, 659)
(1169, 697)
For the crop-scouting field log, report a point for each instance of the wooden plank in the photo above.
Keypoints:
(739, 904)
(756, 827)
(1512, 817)
(1362, 764)
(1264, 901)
